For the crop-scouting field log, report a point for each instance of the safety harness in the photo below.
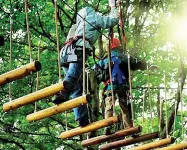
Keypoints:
(70, 52)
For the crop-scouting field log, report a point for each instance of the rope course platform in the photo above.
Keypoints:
(116, 138)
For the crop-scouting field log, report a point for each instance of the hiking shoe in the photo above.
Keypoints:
(107, 131)
(83, 123)
(92, 134)
(68, 85)
(60, 97)
(135, 135)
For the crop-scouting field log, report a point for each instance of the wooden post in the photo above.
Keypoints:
(91, 127)
(104, 138)
(43, 93)
(154, 144)
(180, 146)
(19, 72)
(126, 142)
(59, 108)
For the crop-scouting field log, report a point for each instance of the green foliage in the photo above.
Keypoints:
(146, 26)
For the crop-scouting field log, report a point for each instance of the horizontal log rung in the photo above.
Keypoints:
(59, 108)
(118, 134)
(91, 127)
(180, 146)
(130, 141)
(19, 72)
(154, 144)
(33, 97)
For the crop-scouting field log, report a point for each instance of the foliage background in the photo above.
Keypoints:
(151, 28)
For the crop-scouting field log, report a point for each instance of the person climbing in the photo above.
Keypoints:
(120, 81)
(72, 55)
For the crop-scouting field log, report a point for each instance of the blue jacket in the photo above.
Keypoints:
(120, 72)
(118, 76)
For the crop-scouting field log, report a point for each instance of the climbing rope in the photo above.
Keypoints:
(130, 88)
(87, 79)
(37, 74)
(28, 31)
(83, 66)
(110, 74)
(123, 40)
(143, 108)
(149, 93)
(57, 39)
(10, 66)
(84, 57)
(165, 97)
(182, 104)
(87, 91)
(175, 115)
(160, 118)
(58, 51)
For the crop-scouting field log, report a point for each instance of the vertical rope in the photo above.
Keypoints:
(174, 123)
(58, 52)
(143, 109)
(57, 38)
(160, 115)
(182, 103)
(83, 65)
(87, 83)
(10, 67)
(37, 74)
(123, 40)
(149, 93)
(110, 75)
(84, 58)
(165, 91)
(28, 31)
(130, 86)
(66, 121)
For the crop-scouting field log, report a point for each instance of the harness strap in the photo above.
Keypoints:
(75, 39)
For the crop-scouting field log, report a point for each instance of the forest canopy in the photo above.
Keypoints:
(156, 32)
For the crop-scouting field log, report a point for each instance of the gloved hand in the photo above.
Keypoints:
(112, 3)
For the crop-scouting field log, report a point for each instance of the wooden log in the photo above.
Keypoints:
(104, 138)
(19, 72)
(154, 144)
(59, 108)
(43, 93)
(180, 146)
(91, 127)
(130, 141)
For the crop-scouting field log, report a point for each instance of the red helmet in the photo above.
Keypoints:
(115, 43)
